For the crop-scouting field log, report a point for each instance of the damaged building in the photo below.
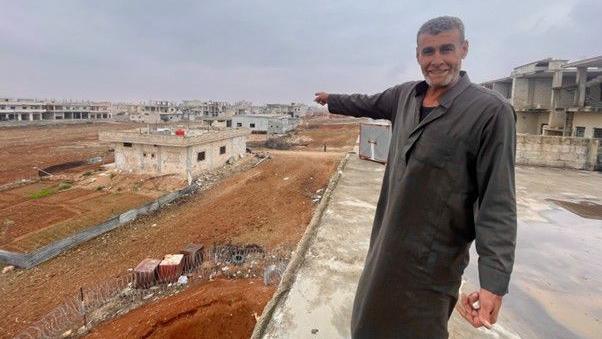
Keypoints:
(265, 123)
(555, 97)
(186, 152)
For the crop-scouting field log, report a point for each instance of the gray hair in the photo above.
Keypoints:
(442, 24)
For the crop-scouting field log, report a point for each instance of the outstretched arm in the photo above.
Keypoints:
(378, 106)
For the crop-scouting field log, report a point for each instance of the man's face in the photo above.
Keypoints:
(440, 57)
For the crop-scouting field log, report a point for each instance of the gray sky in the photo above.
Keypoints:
(266, 51)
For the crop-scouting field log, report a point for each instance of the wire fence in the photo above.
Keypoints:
(110, 298)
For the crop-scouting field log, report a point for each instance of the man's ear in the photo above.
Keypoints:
(464, 49)
(416, 52)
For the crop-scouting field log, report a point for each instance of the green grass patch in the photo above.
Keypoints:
(44, 192)
(65, 185)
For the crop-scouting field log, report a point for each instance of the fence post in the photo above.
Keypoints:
(81, 298)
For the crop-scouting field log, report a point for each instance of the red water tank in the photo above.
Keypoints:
(180, 132)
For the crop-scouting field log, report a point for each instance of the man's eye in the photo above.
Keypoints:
(428, 51)
(447, 49)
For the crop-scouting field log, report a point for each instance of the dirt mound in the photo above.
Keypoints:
(218, 309)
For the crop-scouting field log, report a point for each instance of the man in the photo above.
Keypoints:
(449, 180)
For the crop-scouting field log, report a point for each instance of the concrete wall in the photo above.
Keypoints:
(530, 122)
(264, 123)
(159, 160)
(213, 159)
(589, 120)
(567, 97)
(520, 93)
(542, 93)
(531, 93)
(563, 152)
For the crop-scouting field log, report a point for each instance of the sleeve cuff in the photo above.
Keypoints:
(493, 280)
(332, 104)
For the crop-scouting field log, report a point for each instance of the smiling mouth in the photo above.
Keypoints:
(438, 72)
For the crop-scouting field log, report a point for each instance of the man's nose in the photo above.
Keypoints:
(437, 58)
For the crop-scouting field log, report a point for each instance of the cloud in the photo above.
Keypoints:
(266, 51)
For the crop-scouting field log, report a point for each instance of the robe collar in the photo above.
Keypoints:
(448, 97)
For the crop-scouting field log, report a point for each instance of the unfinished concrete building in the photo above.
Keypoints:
(199, 109)
(265, 123)
(186, 152)
(555, 97)
(294, 109)
(37, 110)
(151, 112)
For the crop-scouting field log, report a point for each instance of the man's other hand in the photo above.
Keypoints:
(490, 304)
(321, 98)
(480, 308)
(466, 308)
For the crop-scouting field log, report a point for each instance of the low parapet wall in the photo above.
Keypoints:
(561, 152)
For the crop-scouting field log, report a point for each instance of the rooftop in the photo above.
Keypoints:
(168, 137)
(591, 62)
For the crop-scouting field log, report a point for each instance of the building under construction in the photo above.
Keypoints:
(36, 110)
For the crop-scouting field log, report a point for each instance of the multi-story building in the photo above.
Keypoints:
(151, 112)
(294, 109)
(35, 109)
(555, 97)
(207, 109)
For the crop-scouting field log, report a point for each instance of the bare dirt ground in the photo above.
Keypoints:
(28, 223)
(269, 205)
(337, 137)
(37, 214)
(22, 148)
(218, 309)
(313, 135)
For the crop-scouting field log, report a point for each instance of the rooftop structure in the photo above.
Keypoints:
(555, 97)
(186, 152)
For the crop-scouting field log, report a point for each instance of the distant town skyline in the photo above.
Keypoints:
(265, 51)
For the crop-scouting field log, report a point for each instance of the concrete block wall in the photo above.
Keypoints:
(520, 93)
(542, 93)
(530, 122)
(213, 159)
(562, 152)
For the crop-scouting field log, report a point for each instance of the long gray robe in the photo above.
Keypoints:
(449, 179)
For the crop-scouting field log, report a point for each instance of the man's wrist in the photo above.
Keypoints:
(493, 280)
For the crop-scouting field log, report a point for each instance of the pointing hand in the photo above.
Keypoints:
(321, 98)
